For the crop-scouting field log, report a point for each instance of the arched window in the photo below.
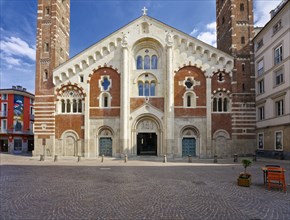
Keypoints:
(146, 88)
(70, 101)
(242, 40)
(47, 11)
(105, 101)
(46, 47)
(225, 105)
(62, 106)
(220, 105)
(214, 107)
(45, 74)
(75, 106)
(140, 89)
(188, 101)
(147, 62)
(139, 63)
(80, 105)
(152, 89)
(154, 62)
(68, 106)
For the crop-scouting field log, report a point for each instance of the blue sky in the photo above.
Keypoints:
(92, 20)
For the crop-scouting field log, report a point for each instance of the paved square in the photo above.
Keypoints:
(33, 189)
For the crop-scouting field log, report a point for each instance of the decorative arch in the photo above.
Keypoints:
(105, 141)
(70, 99)
(189, 99)
(221, 143)
(147, 53)
(190, 131)
(70, 146)
(146, 83)
(147, 134)
(189, 141)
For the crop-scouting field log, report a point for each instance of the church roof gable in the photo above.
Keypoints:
(142, 27)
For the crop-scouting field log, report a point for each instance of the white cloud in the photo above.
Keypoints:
(16, 47)
(12, 61)
(208, 35)
(193, 32)
(262, 11)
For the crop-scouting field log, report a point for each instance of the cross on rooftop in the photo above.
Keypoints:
(144, 11)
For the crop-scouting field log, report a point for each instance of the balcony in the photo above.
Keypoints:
(12, 131)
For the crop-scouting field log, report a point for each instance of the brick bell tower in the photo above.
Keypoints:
(52, 49)
(235, 31)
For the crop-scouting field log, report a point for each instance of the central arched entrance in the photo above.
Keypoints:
(147, 144)
(147, 137)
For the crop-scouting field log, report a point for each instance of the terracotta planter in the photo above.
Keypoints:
(244, 180)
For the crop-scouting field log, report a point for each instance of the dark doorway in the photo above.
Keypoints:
(30, 145)
(4, 145)
(147, 144)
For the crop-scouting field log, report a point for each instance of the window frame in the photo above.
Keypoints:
(279, 77)
(261, 86)
(221, 104)
(277, 26)
(278, 57)
(261, 113)
(280, 142)
(260, 141)
(279, 107)
(260, 68)
(259, 44)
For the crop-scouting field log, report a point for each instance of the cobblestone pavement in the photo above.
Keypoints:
(33, 189)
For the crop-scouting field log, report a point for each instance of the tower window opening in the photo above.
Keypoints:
(46, 47)
(242, 7)
(47, 11)
(242, 40)
(45, 74)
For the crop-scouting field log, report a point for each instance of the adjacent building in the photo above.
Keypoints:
(16, 120)
(272, 62)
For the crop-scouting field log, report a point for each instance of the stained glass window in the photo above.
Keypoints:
(139, 63)
(140, 88)
(146, 62)
(105, 83)
(152, 89)
(146, 88)
(154, 62)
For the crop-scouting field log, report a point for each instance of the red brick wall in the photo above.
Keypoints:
(114, 91)
(156, 102)
(199, 90)
(221, 121)
(69, 122)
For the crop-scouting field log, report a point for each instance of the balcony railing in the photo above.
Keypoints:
(3, 114)
(12, 131)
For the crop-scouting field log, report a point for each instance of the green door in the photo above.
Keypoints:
(105, 147)
(188, 147)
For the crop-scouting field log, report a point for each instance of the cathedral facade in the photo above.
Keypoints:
(147, 89)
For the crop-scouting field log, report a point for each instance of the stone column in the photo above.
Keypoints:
(169, 100)
(208, 151)
(125, 102)
(86, 142)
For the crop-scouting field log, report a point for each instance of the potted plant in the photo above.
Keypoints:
(244, 177)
